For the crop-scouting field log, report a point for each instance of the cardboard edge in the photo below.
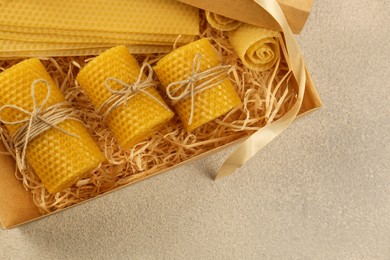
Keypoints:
(311, 99)
(22, 207)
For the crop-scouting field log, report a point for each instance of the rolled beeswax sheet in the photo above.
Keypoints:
(258, 48)
(136, 16)
(141, 115)
(209, 103)
(57, 158)
(222, 23)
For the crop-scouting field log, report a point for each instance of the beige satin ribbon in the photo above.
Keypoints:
(266, 134)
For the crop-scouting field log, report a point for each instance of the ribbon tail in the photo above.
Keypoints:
(265, 135)
(256, 142)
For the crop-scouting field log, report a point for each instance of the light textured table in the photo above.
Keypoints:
(320, 191)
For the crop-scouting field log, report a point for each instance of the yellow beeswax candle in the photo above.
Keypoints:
(258, 48)
(138, 117)
(59, 159)
(222, 23)
(186, 65)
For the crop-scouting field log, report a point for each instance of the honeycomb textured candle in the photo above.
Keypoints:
(140, 116)
(258, 48)
(208, 104)
(57, 158)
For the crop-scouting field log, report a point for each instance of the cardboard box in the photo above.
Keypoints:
(17, 206)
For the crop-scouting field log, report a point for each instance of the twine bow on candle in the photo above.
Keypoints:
(38, 121)
(196, 82)
(128, 91)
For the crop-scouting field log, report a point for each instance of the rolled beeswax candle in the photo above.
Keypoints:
(222, 23)
(258, 48)
(115, 73)
(58, 158)
(199, 85)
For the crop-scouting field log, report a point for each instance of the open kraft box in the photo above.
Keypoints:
(16, 204)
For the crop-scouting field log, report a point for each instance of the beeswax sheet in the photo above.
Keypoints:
(136, 16)
(73, 36)
(82, 52)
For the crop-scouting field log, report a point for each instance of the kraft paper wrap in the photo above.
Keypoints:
(249, 11)
(265, 135)
(138, 118)
(58, 159)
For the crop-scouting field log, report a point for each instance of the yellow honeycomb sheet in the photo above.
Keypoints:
(136, 49)
(70, 39)
(94, 23)
(142, 16)
(208, 104)
(258, 48)
(71, 36)
(141, 116)
(58, 159)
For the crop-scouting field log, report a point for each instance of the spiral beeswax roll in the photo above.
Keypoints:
(138, 117)
(258, 48)
(221, 22)
(57, 158)
(207, 103)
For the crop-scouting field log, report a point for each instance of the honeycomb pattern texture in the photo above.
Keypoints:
(141, 116)
(44, 36)
(33, 26)
(151, 16)
(58, 159)
(210, 103)
(48, 35)
(258, 48)
(18, 53)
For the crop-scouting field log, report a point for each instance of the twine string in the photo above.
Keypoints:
(38, 121)
(121, 96)
(196, 82)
